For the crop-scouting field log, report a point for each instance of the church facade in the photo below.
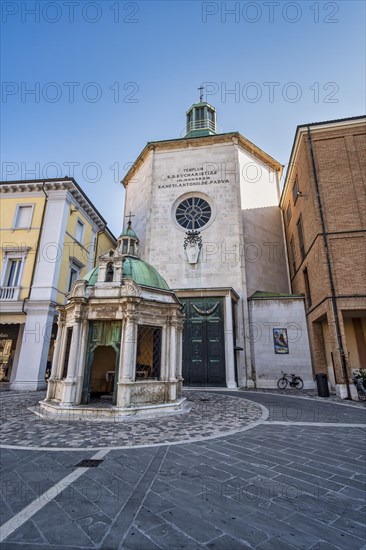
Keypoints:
(206, 212)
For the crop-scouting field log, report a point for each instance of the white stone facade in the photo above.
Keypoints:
(266, 315)
(241, 185)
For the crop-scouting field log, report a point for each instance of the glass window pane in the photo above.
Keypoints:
(193, 213)
(13, 274)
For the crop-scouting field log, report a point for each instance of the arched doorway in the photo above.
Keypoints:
(103, 371)
(101, 365)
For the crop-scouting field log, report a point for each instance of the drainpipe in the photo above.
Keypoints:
(37, 249)
(330, 271)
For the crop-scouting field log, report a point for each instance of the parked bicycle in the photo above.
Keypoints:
(359, 381)
(292, 379)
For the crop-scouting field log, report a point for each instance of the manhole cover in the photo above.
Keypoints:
(88, 463)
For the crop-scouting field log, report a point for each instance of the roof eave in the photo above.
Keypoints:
(243, 141)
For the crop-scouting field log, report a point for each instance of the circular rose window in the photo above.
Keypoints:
(193, 213)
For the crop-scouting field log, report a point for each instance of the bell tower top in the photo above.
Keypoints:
(201, 118)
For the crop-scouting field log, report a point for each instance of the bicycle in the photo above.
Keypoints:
(359, 383)
(294, 381)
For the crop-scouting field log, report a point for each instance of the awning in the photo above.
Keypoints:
(12, 318)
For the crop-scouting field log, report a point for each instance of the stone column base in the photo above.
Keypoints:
(341, 391)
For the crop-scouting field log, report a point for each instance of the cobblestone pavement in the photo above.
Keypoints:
(212, 415)
(295, 480)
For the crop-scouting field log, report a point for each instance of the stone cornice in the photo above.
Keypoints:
(185, 143)
(69, 185)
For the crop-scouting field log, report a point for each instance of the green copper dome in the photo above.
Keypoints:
(92, 276)
(143, 273)
(129, 232)
(139, 271)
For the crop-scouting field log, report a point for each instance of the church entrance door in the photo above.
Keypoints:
(203, 342)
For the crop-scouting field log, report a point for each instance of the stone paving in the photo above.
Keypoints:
(212, 415)
(309, 394)
(294, 480)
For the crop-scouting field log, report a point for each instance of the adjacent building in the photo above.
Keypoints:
(324, 209)
(51, 235)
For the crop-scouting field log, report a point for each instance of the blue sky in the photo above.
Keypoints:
(110, 76)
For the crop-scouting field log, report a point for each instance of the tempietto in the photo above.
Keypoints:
(119, 343)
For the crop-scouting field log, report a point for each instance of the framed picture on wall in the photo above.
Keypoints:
(280, 340)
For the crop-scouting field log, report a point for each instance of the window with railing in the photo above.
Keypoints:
(13, 272)
(148, 357)
(11, 276)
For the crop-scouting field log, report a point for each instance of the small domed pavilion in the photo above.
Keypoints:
(119, 344)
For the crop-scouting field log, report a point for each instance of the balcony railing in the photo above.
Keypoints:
(9, 292)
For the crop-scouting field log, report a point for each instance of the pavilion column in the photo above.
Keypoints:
(173, 352)
(229, 344)
(172, 362)
(165, 358)
(80, 367)
(179, 366)
(56, 356)
(70, 381)
(127, 366)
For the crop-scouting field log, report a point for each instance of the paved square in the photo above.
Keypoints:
(295, 478)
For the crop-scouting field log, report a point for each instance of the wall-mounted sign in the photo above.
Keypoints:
(280, 340)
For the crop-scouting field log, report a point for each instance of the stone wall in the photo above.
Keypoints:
(267, 314)
(265, 251)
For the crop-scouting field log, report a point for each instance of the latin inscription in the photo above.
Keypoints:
(192, 176)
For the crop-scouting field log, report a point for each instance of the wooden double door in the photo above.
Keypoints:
(203, 342)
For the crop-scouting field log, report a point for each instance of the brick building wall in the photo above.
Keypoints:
(340, 162)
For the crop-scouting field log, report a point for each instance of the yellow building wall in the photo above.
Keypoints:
(104, 244)
(71, 248)
(21, 238)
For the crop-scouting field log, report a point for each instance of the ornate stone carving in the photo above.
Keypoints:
(206, 312)
(78, 290)
(192, 246)
(129, 288)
